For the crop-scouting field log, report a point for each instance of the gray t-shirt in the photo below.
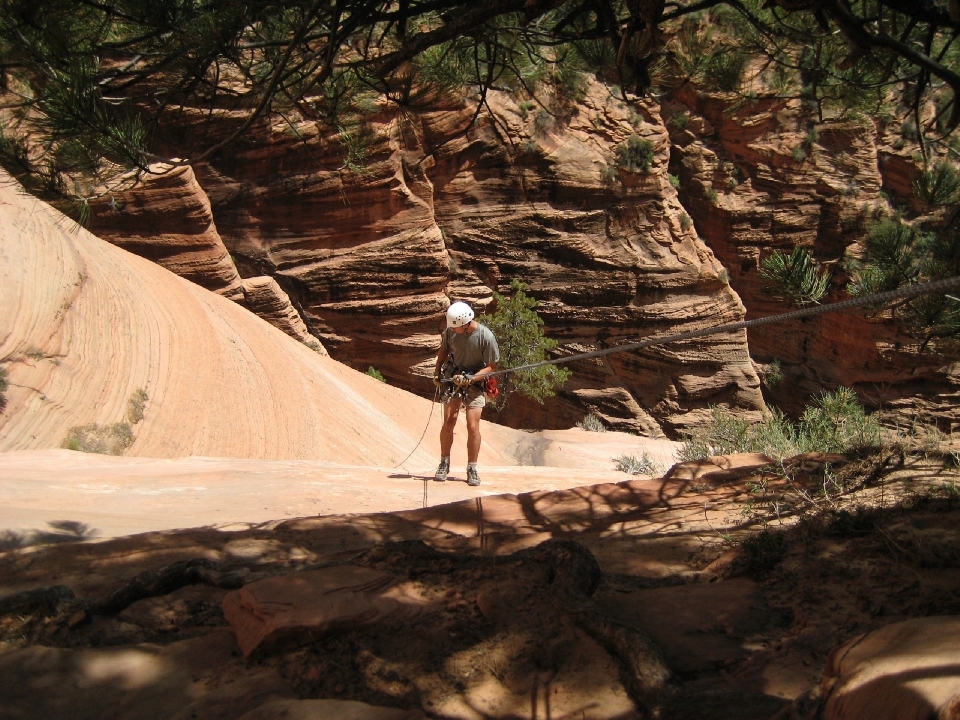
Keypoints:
(474, 351)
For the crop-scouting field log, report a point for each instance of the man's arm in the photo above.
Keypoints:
(442, 355)
(486, 370)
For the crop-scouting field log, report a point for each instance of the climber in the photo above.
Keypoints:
(473, 351)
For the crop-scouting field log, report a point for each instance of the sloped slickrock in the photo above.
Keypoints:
(308, 605)
(905, 670)
(761, 176)
(264, 297)
(166, 218)
(328, 710)
(87, 325)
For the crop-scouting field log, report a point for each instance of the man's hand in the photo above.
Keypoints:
(436, 379)
(462, 379)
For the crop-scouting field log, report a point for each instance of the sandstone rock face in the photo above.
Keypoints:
(904, 670)
(87, 326)
(762, 177)
(445, 210)
(263, 296)
(308, 605)
(371, 233)
(166, 218)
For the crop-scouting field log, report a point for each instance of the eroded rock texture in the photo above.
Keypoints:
(166, 218)
(372, 235)
(372, 232)
(764, 177)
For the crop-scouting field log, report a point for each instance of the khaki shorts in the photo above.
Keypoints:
(475, 397)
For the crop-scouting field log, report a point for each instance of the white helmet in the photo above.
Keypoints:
(459, 314)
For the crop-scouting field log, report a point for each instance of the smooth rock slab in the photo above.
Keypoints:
(908, 670)
(300, 607)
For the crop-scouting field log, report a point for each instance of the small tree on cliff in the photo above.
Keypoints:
(519, 331)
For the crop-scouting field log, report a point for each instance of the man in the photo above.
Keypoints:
(473, 350)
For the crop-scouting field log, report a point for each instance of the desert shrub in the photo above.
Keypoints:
(834, 423)
(608, 173)
(773, 374)
(375, 374)
(674, 181)
(643, 465)
(711, 195)
(4, 384)
(135, 405)
(315, 346)
(592, 423)
(102, 439)
(634, 154)
(34, 353)
(685, 221)
(680, 121)
(519, 332)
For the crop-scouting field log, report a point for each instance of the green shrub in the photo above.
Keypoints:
(674, 181)
(794, 277)
(592, 423)
(634, 154)
(725, 68)
(375, 374)
(763, 552)
(939, 185)
(685, 222)
(711, 195)
(102, 439)
(679, 121)
(834, 423)
(4, 384)
(772, 374)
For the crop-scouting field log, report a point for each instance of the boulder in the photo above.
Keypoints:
(302, 607)
(908, 670)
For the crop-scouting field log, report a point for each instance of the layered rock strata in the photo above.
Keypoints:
(165, 217)
(444, 208)
(762, 176)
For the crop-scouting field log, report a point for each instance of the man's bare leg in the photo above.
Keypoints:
(450, 413)
(473, 434)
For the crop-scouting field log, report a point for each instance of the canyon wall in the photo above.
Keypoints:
(766, 176)
(371, 232)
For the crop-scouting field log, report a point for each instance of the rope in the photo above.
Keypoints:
(876, 299)
(436, 394)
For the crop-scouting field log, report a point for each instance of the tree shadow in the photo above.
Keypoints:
(62, 531)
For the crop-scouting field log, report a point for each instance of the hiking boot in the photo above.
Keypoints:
(442, 471)
(472, 477)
